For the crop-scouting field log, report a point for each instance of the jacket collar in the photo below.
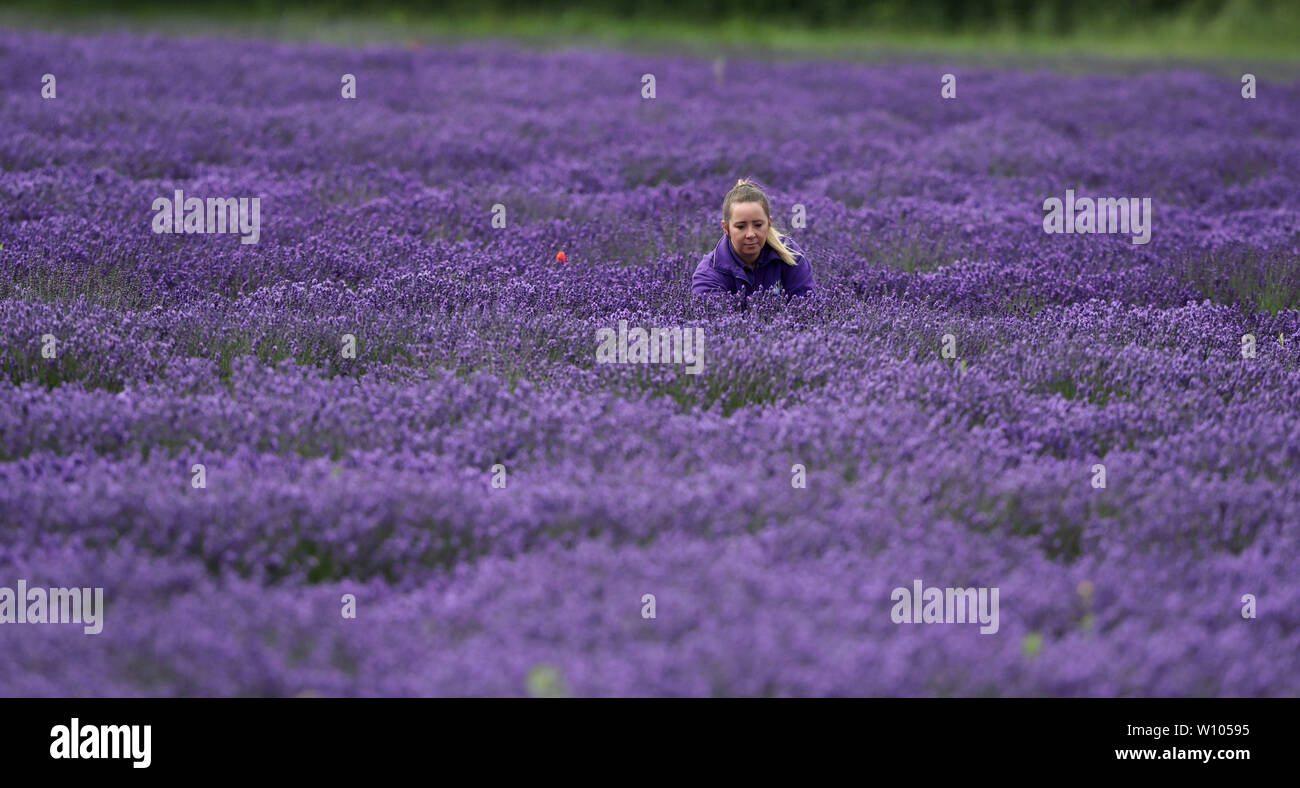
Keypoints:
(729, 261)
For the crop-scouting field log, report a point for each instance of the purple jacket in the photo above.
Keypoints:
(722, 271)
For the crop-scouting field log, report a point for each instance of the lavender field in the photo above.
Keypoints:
(327, 475)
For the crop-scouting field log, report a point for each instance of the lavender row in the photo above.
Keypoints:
(742, 618)
(401, 514)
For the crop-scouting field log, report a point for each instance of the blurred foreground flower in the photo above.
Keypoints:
(544, 681)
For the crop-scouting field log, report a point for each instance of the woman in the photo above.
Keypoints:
(751, 253)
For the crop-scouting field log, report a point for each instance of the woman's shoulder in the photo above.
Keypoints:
(707, 262)
(710, 258)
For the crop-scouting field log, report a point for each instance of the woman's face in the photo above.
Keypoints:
(748, 229)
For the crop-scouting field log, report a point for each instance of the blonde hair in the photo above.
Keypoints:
(746, 190)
